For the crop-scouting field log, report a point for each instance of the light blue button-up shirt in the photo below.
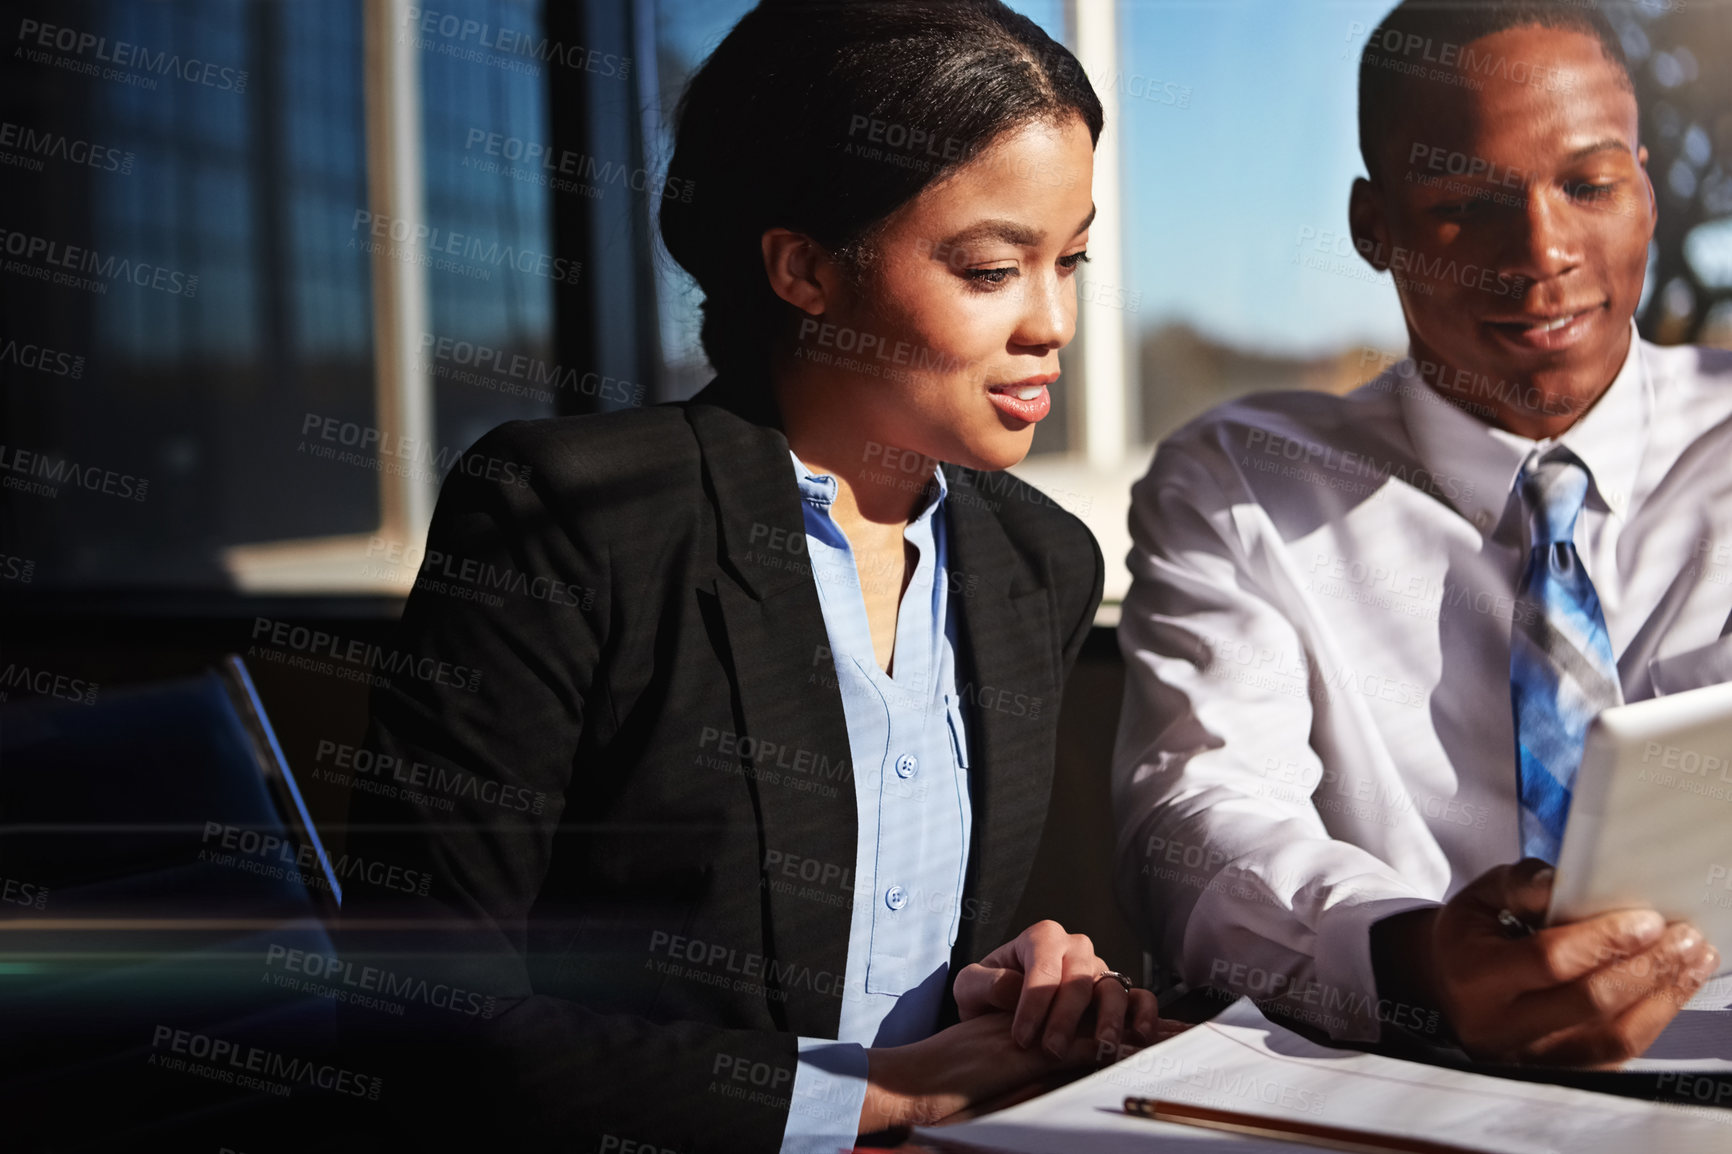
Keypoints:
(910, 758)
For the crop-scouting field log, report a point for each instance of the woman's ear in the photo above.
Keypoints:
(799, 269)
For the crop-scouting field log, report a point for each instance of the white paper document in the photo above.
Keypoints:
(1244, 1063)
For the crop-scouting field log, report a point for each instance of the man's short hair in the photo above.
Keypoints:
(1412, 40)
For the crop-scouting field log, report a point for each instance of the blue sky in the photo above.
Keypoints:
(1218, 194)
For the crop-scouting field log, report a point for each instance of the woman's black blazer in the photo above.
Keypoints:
(609, 782)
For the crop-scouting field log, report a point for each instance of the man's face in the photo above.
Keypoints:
(1514, 209)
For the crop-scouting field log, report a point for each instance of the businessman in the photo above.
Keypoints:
(1367, 633)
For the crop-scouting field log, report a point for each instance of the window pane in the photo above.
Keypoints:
(179, 300)
(484, 110)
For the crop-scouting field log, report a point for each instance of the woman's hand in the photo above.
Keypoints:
(970, 1063)
(1047, 977)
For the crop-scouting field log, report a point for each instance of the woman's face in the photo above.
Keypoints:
(950, 340)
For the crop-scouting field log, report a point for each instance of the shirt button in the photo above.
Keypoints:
(895, 897)
(906, 765)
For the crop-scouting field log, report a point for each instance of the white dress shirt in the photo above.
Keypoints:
(1317, 729)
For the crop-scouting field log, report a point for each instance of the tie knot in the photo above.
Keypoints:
(1555, 491)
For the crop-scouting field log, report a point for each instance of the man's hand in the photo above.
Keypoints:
(1047, 978)
(1593, 993)
(971, 1062)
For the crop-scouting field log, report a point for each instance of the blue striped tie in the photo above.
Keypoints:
(1561, 667)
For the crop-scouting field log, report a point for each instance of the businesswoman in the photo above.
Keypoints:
(778, 729)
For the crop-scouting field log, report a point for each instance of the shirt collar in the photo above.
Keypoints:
(1483, 462)
(1611, 437)
(819, 489)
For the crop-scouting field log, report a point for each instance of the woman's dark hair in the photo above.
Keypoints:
(824, 117)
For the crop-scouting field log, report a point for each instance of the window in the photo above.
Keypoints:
(252, 313)
(178, 290)
(195, 393)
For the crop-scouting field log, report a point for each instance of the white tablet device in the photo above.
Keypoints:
(1651, 820)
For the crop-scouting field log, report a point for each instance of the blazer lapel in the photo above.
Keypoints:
(794, 734)
(1007, 678)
